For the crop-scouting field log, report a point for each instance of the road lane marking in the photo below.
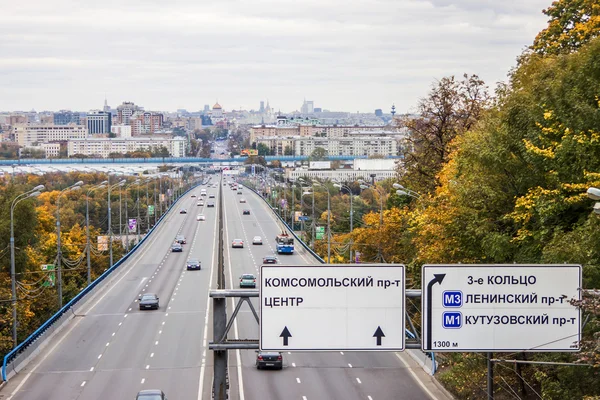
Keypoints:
(83, 384)
(298, 380)
(156, 343)
(416, 378)
(303, 397)
(151, 355)
(235, 325)
(113, 334)
(107, 343)
(143, 380)
(369, 397)
(350, 365)
(100, 356)
(147, 366)
(92, 369)
(293, 364)
(341, 352)
(358, 380)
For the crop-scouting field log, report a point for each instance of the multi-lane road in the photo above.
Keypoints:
(111, 349)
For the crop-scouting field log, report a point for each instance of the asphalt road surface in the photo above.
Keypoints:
(111, 350)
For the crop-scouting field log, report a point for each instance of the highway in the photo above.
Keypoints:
(111, 350)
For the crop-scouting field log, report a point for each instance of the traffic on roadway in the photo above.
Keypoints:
(150, 328)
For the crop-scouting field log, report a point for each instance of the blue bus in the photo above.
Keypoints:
(284, 243)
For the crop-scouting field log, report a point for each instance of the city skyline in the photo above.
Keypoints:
(350, 57)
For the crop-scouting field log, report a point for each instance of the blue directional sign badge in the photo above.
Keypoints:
(501, 307)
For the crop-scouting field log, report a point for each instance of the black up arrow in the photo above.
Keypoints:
(438, 278)
(285, 334)
(378, 334)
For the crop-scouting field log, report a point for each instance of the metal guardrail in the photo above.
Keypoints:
(311, 251)
(27, 347)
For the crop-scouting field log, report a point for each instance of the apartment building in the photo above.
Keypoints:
(303, 129)
(98, 122)
(31, 135)
(345, 146)
(278, 145)
(103, 147)
(145, 123)
(340, 175)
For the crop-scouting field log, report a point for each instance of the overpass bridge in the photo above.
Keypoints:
(160, 160)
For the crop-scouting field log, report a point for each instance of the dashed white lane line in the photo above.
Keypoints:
(143, 380)
(293, 364)
(350, 365)
(83, 384)
(92, 369)
(358, 380)
(129, 309)
(303, 397)
(341, 352)
(369, 397)
(151, 355)
(100, 356)
(107, 343)
(113, 334)
(147, 366)
(298, 380)
(156, 343)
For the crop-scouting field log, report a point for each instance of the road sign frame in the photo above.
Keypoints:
(434, 275)
(391, 329)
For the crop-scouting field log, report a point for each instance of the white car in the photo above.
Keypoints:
(257, 240)
(242, 200)
(199, 203)
(201, 217)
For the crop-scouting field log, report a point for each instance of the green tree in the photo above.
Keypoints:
(451, 108)
(571, 24)
(263, 150)
(319, 154)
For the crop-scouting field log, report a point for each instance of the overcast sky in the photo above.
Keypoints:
(351, 55)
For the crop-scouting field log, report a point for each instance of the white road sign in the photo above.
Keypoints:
(345, 307)
(501, 307)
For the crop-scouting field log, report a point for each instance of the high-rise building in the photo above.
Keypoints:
(262, 107)
(378, 112)
(125, 111)
(106, 107)
(308, 107)
(65, 117)
(98, 122)
(206, 108)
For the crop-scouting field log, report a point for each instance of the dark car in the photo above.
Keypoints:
(270, 260)
(176, 248)
(151, 394)
(268, 359)
(194, 263)
(246, 212)
(210, 204)
(180, 239)
(149, 301)
(183, 211)
(193, 195)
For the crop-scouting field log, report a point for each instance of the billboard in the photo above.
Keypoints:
(319, 165)
(102, 243)
(320, 232)
(132, 224)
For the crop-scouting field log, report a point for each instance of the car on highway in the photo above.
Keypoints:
(239, 192)
(199, 203)
(269, 260)
(246, 212)
(183, 211)
(148, 301)
(211, 196)
(269, 359)
(210, 204)
(200, 217)
(151, 394)
(193, 264)
(247, 280)
(242, 200)
(237, 243)
(193, 195)
(176, 248)
(257, 240)
(180, 239)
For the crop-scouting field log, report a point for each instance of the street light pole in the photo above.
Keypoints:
(76, 186)
(138, 222)
(13, 276)
(87, 229)
(147, 213)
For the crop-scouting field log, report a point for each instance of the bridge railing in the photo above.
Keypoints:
(285, 224)
(35, 342)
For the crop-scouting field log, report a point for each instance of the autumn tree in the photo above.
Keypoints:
(451, 108)
(571, 24)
